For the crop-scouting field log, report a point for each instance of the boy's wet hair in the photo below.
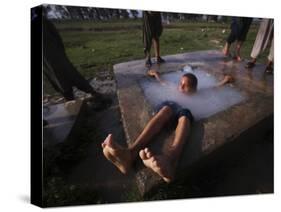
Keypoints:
(192, 80)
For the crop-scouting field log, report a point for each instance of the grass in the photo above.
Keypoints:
(97, 46)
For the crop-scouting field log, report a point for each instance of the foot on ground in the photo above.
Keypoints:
(250, 64)
(160, 60)
(237, 58)
(148, 63)
(160, 164)
(117, 155)
(225, 52)
(269, 69)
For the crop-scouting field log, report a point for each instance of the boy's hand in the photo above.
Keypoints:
(152, 73)
(228, 79)
(156, 74)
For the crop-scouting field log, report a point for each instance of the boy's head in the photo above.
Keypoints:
(188, 83)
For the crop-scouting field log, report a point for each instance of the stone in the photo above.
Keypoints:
(61, 119)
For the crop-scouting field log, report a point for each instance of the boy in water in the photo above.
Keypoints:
(163, 164)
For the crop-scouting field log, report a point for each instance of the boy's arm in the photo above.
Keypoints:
(226, 79)
(155, 74)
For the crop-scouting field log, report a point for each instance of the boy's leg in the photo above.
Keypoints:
(165, 165)
(173, 150)
(121, 157)
(151, 129)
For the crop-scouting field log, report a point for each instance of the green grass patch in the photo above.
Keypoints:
(96, 46)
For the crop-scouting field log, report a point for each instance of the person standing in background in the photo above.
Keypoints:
(239, 30)
(264, 37)
(152, 30)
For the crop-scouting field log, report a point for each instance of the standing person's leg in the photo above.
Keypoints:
(269, 67)
(242, 34)
(61, 86)
(271, 52)
(165, 164)
(123, 158)
(148, 62)
(147, 37)
(156, 45)
(238, 48)
(53, 65)
(263, 37)
(229, 41)
(231, 37)
(147, 43)
(77, 79)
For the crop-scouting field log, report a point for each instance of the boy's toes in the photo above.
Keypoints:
(142, 155)
(148, 153)
(146, 150)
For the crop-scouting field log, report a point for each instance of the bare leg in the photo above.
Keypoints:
(226, 48)
(269, 67)
(147, 55)
(174, 149)
(238, 48)
(151, 129)
(165, 165)
(156, 46)
(123, 158)
(147, 58)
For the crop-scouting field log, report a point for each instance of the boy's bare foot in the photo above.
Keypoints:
(160, 164)
(117, 155)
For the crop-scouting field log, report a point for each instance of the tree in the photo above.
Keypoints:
(134, 13)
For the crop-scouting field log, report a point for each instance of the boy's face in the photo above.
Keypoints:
(185, 85)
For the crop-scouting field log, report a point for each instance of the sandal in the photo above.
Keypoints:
(148, 63)
(269, 69)
(160, 60)
(250, 65)
(237, 58)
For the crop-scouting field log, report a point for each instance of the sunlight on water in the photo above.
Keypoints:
(206, 102)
